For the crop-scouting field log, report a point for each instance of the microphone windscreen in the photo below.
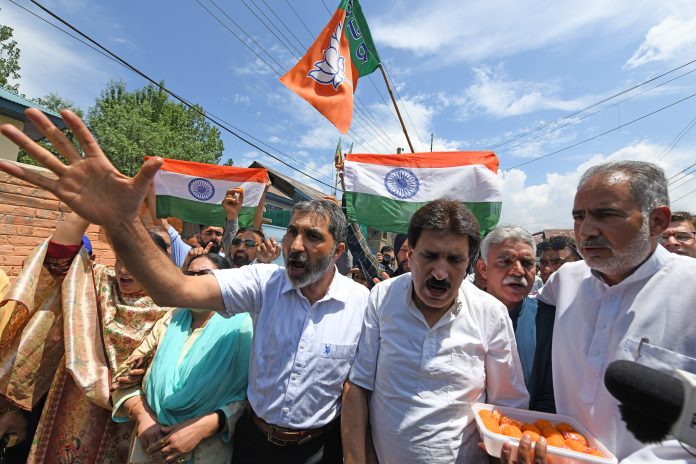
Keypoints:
(651, 400)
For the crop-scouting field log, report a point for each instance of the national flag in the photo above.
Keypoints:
(328, 73)
(383, 191)
(194, 191)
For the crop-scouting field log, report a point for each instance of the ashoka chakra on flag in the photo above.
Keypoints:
(201, 189)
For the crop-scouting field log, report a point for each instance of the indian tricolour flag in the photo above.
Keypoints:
(194, 191)
(383, 191)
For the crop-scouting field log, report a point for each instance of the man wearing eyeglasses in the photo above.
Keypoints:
(555, 252)
(244, 246)
(680, 236)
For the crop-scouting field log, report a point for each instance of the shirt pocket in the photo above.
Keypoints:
(333, 363)
(656, 357)
(467, 377)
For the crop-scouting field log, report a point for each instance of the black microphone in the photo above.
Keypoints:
(651, 401)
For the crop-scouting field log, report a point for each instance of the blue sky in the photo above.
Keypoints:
(474, 74)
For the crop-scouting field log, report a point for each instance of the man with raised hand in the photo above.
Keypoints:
(307, 317)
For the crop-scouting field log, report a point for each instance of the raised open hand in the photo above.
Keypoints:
(90, 185)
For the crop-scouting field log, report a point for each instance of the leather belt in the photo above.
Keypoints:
(282, 436)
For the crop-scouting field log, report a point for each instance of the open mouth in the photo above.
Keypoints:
(296, 265)
(124, 280)
(437, 288)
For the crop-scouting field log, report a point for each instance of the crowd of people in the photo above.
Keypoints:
(201, 350)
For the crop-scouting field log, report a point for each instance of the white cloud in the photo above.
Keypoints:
(500, 97)
(548, 204)
(671, 38)
(76, 73)
(452, 31)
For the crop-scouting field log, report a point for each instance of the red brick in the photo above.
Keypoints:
(22, 240)
(27, 191)
(11, 260)
(22, 200)
(46, 214)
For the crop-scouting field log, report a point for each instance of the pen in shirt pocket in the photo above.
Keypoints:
(640, 346)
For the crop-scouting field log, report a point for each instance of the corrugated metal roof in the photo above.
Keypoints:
(13, 106)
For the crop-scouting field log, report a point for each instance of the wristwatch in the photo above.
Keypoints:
(222, 420)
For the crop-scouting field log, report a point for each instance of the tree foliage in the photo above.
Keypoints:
(9, 58)
(55, 103)
(130, 125)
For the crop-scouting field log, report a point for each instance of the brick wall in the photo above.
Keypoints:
(29, 215)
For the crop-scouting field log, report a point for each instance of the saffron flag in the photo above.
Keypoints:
(327, 74)
(383, 191)
(194, 191)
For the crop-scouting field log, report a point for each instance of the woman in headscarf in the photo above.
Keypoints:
(195, 388)
(68, 324)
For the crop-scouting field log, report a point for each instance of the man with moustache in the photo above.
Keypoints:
(628, 299)
(508, 264)
(307, 317)
(243, 247)
(432, 344)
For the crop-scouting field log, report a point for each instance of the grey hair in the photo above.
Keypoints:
(646, 180)
(506, 232)
(338, 226)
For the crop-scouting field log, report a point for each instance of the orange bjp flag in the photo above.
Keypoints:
(327, 74)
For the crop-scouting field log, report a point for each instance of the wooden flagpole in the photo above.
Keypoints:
(398, 113)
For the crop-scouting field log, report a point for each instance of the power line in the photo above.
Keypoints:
(582, 118)
(683, 196)
(239, 38)
(677, 139)
(214, 119)
(298, 17)
(543, 126)
(602, 134)
(282, 22)
(288, 48)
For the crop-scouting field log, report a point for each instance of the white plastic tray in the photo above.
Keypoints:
(494, 441)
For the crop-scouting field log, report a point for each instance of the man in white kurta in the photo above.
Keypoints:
(424, 379)
(432, 344)
(629, 299)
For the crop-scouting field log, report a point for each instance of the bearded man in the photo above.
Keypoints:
(307, 317)
(628, 299)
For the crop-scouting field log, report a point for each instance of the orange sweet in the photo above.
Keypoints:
(543, 424)
(511, 421)
(497, 416)
(532, 435)
(511, 430)
(550, 431)
(576, 446)
(564, 427)
(574, 436)
(556, 440)
(491, 425)
(531, 428)
(486, 414)
(594, 452)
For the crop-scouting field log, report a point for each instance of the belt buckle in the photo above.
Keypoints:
(272, 439)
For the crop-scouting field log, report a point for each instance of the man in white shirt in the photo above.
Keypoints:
(432, 344)
(628, 299)
(307, 317)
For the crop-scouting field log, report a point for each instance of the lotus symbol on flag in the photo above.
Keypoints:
(401, 183)
(332, 69)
